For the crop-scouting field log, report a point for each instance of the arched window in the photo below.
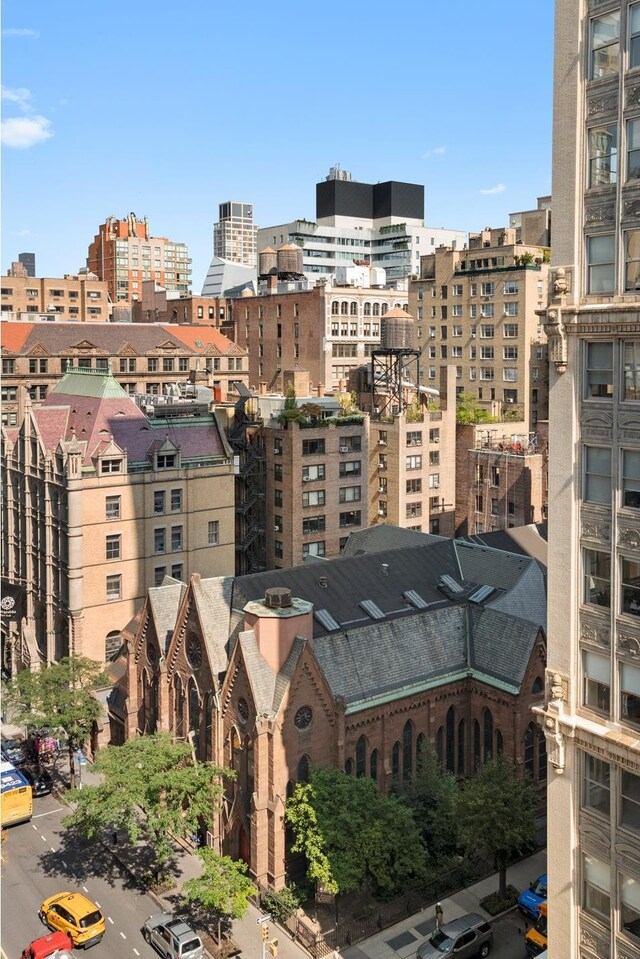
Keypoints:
(440, 744)
(461, 747)
(530, 750)
(487, 723)
(420, 747)
(194, 707)
(208, 727)
(348, 767)
(290, 789)
(542, 756)
(538, 685)
(178, 708)
(407, 750)
(395, 760)
(376, 309)
(303, 770)
(112, 644)
(384, 308)
(344, 308)
(451, 739)
(335, 308)
(361, 757)
(353, 309)
(367, 309)
(499, 743)
(476, 745)
(373, 765)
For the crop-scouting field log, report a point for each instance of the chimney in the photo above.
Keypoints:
(272, 283)
(276, 620)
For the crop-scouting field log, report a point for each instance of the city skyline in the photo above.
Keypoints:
(99, 123)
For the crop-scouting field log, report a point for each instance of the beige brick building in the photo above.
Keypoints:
(592, 712)
(80, 298)
(99, 503)
(144, 358)
(476, 309)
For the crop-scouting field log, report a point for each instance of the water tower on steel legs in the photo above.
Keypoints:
(395, 365)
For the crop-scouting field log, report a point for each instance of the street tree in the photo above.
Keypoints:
(150, 786)
(60, 697)
(224, 886)
(352, 836)
(496, 814)
(430, 794)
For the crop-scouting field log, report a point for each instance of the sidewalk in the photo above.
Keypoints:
(402, 940)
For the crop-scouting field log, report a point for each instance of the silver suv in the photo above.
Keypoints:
(466, 937)
(172, 937)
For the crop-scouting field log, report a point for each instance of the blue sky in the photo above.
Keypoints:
(168, 109)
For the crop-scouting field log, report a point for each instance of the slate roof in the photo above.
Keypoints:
(213, 599)
(383, 536)
(501, 644)
(113, 338)
(164, 601)
(491, 567)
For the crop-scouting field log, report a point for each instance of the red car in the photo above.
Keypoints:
(49, 945)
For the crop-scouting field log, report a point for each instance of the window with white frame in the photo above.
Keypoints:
(176, 500)
(597, 681)
(314, 498)
(456, 352)
(311, 474)
(456, 331)
(456, 289)
(632, 370)
(113, 544)
(632, 260)
(597, 475)
(603, 154)
(630, 905)
(159, 574)
(159, 496)
(605, 46)
(631, 479)
(434, 481)
(473, 311)
(313, 549)
(112, 507)
(487, 309)
(486, 372)
(114, 588)
(159, 540)
(456, 309)
(176, 538)
(630, 586)
(487, 289)
(596, 885)
(597, 577)
(486, 331)
(510, 331)
(510, 374)
(509, 352)
(630, 694)
(597, 784)
(511, 309)
(349, 494)
(599, 372)
(486, 352)
(413, 462)
(601, 263)
(510, 287)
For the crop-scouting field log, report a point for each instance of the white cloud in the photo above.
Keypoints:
(498, 188)
(20, 32)
(24, 132)
(19, 95)
(437, 151)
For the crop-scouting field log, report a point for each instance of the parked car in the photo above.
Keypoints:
(16, 751)
(73, 913)
(469, 936)
(529, 899)
(536, 939)
(49, 945)
(172, 937)
(39, 778)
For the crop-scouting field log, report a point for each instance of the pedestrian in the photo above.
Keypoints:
(336, 953)
(439, 915)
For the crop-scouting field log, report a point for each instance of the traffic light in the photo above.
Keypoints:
(265, 932)
(273, 948)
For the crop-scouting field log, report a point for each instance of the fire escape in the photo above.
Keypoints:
(247, 442)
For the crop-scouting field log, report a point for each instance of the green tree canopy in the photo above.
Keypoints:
(352, 836)
(496, 814)
(61, 698)
(431, 795)
(154, 775)
(223, 886)
(468, 410)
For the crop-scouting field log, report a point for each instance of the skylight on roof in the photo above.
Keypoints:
(371, 609)
(450, 584)
(415, 599)
(199, 343)
(326, 619)
(481, 594)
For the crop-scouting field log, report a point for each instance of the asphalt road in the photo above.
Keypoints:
(41, 858)
(508, 937)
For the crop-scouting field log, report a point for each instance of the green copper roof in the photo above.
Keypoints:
(97, 383)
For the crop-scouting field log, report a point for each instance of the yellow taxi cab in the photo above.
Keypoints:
(73, 913)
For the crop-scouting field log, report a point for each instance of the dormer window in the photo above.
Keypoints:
(111, 466)
(166, 461)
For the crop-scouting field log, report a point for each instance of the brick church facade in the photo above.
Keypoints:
(353, 664)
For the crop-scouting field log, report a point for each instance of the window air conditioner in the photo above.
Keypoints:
(436, 439)
(306, 479)
(344, 449)
(473, 336)
(382, 443)
(381, 489)
(436, 486)
(381, 512)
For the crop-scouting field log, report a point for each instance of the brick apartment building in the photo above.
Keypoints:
(100, 502)
(76, 298)
(124, 255)
(354, 663)
(476, 309)
(144, 358)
